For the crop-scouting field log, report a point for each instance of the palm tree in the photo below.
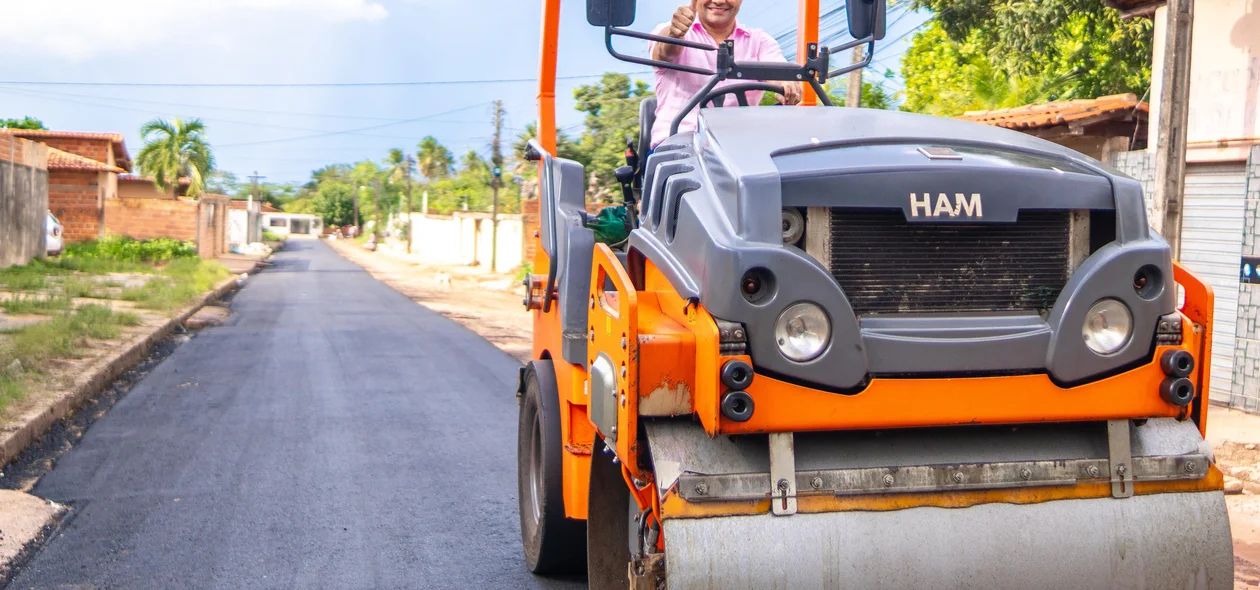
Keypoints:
(401, 164)
(174, 150)
(434, 159)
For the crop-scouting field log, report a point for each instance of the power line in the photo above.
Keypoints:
(348, 131)
(295, 84)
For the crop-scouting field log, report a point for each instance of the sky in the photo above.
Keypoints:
(101, 66)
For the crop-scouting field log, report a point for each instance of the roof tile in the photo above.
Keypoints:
(60, 160)
(1038, 116)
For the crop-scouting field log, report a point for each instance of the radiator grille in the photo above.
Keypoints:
(887, 265)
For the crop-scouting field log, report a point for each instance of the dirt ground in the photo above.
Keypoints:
(490, 305)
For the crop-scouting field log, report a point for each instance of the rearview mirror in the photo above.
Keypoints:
(866, 17)
(610, 13)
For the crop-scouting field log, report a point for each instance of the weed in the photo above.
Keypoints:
(11, 389)
(78, 287)
(37, 304)
(124, 249)
(180, 282)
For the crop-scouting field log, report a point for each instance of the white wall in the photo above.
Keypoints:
(464, 238)
(1224, 118)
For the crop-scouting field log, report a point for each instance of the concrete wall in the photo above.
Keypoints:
(23, 200)
(1224, 119)
(1247, 359)
(212, 236)
(465, 239)
(148, 218)
(75, 197)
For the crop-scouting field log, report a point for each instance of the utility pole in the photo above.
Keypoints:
(251, 227)
(407, 163)
(376, 227)
(497, 161)
(853, 97)
(1174, 98)
(356, 209)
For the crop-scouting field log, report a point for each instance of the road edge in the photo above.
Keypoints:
(99, 375)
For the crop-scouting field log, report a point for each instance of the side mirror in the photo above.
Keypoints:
(866, 17)
(610, 13)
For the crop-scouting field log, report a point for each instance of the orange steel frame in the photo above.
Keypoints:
(663, 346)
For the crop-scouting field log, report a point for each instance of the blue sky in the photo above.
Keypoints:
(286, 132)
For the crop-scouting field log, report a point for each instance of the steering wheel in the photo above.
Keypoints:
(717, 96)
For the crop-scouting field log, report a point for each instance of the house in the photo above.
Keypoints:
(83, 170)
(245, 224)
(1098, 127)
(286, 224)
(1220, 234)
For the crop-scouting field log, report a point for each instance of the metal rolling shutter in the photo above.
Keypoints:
(1211, 246)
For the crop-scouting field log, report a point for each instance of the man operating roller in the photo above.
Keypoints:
(710, 22)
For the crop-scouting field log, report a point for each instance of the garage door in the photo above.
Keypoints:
(1211, 246)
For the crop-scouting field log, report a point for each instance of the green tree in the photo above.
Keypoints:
(174, 150)
(612, 116)
(978, 53)
(23, 123)
(434, 159)
(565, 148)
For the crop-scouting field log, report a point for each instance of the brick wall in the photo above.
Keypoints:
(1246, 378)
(145, 219)
(96, 149)
(75, 198)
(23, 200)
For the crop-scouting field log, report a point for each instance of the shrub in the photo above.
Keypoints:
(124, 249)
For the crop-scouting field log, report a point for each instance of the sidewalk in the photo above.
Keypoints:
(1229, 425)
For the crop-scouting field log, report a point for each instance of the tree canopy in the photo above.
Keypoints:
(612, 116)
(176, 149)
(23, 123)
(984, 54)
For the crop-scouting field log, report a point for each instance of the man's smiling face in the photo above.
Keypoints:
(718, 13)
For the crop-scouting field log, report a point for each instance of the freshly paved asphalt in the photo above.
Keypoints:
(333, 434)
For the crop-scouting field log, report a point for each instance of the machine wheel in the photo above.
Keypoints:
(554, 543)
(607, 524)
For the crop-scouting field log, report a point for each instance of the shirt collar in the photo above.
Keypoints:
(740, 29)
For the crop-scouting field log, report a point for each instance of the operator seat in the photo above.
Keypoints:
(647, 117)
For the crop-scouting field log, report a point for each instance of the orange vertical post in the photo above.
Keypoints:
(547, 74)
(806, 33)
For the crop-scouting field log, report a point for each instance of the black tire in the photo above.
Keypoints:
(607, 524)
(554, 543)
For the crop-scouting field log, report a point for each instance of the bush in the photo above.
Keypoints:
(124, 249)
(272, 237)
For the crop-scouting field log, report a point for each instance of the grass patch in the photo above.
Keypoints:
(62, 336)
(177, 284)
(82, 288)
(37, 304)
(11, 389)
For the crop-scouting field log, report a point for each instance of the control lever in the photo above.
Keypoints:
(625, 177)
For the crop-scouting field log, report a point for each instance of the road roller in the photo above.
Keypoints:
(853, 348)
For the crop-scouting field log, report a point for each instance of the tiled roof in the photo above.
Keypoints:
(120, 148)
(59, 160)
(1052, 114)
(266, 208)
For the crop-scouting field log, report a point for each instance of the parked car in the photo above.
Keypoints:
(54, 242)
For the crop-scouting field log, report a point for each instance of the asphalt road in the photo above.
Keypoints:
(333, 434)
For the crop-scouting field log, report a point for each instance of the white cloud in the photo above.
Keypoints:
(83, 29)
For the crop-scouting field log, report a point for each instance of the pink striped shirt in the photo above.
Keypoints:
(674, 89)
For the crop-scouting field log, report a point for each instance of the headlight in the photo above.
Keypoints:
(1108, 326)
(802, 332)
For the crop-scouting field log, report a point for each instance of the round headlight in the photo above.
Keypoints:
(802, 332)
(1108, 326)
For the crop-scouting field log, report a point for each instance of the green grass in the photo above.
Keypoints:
(11, 389)
(269, 236)
(177, 284)
(37, 304)
(79, 287)
(123, 249)
(60, 337)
